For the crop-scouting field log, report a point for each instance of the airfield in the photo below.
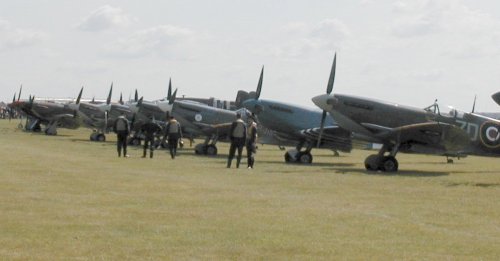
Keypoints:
(65, 197)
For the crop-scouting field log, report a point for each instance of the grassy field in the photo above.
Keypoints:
(66, 198)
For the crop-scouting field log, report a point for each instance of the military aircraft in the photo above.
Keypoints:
(402, 128)
(297, 125)
(100, 116)
(198, 119)
(49, 113)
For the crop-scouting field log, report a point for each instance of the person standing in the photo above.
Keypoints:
(251, 142)
(150, 130)
(122, 130)
(237, 136)
(174, 133)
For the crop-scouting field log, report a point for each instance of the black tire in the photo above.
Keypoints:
(288, 158)
(389, 164)
(211, 150)
(372, 162)
(101, 137)
(304, 158)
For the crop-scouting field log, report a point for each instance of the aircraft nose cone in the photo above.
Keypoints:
(322, 101)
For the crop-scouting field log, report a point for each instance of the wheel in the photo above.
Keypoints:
(200, 149)
(288, 158)
(371, 162)
(389, 164)
(92, 137)
(135, 141)
(211, 150)
(305, 158)
(101, 138)
(449, 161)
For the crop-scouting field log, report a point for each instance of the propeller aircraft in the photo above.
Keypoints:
(408, 129)
(299, 126)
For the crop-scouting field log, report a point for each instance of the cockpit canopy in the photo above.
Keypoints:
(447, 111)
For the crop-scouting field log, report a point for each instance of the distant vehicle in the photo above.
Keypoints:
(451, 133)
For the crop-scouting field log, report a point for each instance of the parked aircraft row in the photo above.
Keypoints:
(345, 121)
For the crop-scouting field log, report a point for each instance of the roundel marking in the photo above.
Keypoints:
(198, 117)
(490, 134)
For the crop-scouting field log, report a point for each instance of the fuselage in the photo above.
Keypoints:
(352, 112)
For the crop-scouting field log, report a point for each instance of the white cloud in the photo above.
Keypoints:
(103, 18)
(11, 37)
(165, 40)
(305, 38)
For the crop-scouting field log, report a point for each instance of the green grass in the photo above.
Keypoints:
(66, 198)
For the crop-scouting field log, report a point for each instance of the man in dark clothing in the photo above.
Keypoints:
(174, 133)
(251, 142)
(237, 135)
(122, 129)
(150, 129)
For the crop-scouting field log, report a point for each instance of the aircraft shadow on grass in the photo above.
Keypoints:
(405, 173)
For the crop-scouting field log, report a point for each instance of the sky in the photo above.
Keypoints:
(408, 52)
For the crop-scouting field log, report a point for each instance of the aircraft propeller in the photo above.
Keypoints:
(329, 89)
(169, 93)
(136, 96)
(474, 104)
(107, 108)
(121, 99)
(259, 85)
(496, 97)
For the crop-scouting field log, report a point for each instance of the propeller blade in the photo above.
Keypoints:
(93, 99)
(323, 117)
(474, 104)
(20, 90)
(121, 98)
(139, 102)
(171, 101)
(329, 87)
(259, 85)
(14, 99)
(79, 96)
(169, 93)
(136, 97)
(108, 100)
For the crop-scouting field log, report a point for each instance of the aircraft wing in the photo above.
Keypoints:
(332, 137)
(65, 120)
(434, 134)
(220, 130)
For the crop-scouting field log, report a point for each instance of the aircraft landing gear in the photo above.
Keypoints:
(381, 162)
(202, 149)
(295, 156)
(96, 136)
(51, 129)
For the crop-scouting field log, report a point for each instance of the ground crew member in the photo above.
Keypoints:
(251, 142)
(174, 133)
(122, 129)
(237, 135)
(150, 130)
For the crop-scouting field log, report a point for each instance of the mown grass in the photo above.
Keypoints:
(66, 198)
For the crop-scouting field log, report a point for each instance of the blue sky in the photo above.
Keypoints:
(410, 52)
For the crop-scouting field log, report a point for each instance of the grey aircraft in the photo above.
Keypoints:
(298, 126)
(400, 128)
(100, 116)
(49, 113)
